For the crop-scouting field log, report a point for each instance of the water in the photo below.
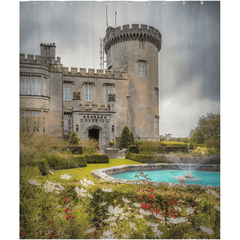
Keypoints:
(204, 178)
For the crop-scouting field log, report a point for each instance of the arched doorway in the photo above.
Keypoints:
(94, 133)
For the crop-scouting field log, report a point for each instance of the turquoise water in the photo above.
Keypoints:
(205, 178)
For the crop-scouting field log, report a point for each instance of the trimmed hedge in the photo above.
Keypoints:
(96, 158)
(133, 149)
(43, 166)
(75, 149)
(30, 171)
(145, 158)
(172, 149)
(80, 160)
(63, 162)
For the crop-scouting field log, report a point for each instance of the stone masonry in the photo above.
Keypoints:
(96, 103)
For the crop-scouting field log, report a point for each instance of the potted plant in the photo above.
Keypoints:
(111, 143)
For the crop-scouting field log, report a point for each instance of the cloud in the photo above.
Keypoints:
(179, 112)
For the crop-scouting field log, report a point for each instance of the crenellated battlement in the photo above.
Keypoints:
(94, 73)
(38, 59)
(125, 33)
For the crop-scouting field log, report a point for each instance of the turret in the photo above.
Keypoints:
(135, 50)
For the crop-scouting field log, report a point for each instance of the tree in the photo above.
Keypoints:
(125, 139)
(132, 137)
(74, 139)
(208, 128)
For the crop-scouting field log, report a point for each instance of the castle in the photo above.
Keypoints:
(96, 104)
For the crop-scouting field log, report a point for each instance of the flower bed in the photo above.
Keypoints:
(92, 209)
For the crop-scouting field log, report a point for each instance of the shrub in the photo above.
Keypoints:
(88, 151)
(213, 142)
(75, 149)
(173, 144)
(58, 161)
(149, 147)
(31, 171)
(80, 160)
(125, 139)
(205, 151)
(43, 166)
(132, 138)
(74, 139)
(133, 149)
(90, 143)
(97, 158)
(145, 158)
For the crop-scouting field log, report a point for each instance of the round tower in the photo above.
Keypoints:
(135, 50)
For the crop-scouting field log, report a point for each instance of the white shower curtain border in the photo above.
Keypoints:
(127, 1)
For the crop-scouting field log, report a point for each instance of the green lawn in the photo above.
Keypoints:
(84, 172)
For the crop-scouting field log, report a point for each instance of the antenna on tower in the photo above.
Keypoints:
(101, 54)
(115, 19)
(106, 17)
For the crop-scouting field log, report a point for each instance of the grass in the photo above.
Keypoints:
(84, 172)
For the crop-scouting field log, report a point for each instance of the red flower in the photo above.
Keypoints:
(66, 210)
(151, 196)
(143, 205)
(140, 197)
(48, 222)
(95, 232)
(159, 220)
(65, 200)
(21, 233)
(164, 215)
(68, 216)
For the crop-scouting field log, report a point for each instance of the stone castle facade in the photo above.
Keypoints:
(96, 104)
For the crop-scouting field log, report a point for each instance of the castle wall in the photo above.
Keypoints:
(56, 103)
(109, 117)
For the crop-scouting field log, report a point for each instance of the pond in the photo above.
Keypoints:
(173, 176)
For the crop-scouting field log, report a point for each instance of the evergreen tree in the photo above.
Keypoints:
(125, 138)
(73, 139)
(132, 137)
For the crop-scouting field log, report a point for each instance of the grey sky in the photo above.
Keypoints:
(189, 61)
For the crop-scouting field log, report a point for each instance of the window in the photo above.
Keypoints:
(141, 45)
(156, 96)
(33, 121)
(156, 125)
(67, 124)
(25, 85)
(44, 87)
(142, 68)
(36, 86)
(36, 120)
(88, 92)
(108, 90)
(67, 93)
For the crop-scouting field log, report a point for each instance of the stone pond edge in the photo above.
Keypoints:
(104, 174)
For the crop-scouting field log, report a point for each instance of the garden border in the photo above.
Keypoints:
(104, 174)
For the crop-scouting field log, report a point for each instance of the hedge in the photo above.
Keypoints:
(73, 148)
(96, 158)
(145, 158)
(43, 166)
(63, 162)
(80, 160)
(30, 171)
(172, 149)
(133, 149)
